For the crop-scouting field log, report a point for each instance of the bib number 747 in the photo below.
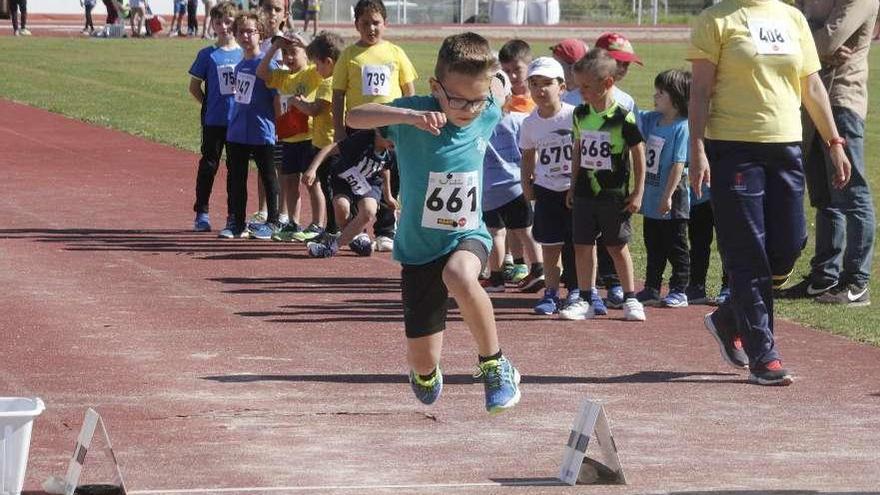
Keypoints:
(452, 201)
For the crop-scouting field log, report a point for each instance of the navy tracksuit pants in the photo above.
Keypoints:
(757, 196)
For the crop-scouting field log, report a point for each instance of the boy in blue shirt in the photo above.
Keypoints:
(665, 203)
(251, 134)
(211, 84)
(442, 241)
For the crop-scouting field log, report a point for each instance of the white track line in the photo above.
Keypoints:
(345, 487)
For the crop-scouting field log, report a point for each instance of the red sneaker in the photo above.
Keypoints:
(771, 373)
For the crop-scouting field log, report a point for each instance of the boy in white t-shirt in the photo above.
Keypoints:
(545, 137)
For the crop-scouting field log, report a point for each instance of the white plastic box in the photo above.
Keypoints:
(16, 420)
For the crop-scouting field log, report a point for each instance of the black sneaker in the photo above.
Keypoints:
(771, 373)
(804, 289)
(728, 340)
(847, 295)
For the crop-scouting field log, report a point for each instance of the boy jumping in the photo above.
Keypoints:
(442, 241)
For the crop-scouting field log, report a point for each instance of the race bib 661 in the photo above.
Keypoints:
(452, 201)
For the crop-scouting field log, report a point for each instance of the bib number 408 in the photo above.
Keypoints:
(454, 203)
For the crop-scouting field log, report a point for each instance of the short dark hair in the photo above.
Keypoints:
(223, 9)
(247, 16)
(677, 84)
(367, 6)
(326, 44)
(465, 53)
(514, 50)
(597, 62)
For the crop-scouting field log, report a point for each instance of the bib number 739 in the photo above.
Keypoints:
(452, 201)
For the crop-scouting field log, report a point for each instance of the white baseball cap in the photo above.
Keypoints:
(547, 67)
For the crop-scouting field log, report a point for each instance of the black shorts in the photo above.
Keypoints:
(516, 214)
(342, 188)
(552, 217)
(425, 296)
(592, 218)
(297, 157)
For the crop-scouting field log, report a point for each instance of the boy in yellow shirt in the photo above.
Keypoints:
(300, 89)
(372, 70)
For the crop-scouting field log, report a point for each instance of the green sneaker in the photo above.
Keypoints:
(427, 391)
(520, 272)
(309, 233)
(287, 234)
(501, 383)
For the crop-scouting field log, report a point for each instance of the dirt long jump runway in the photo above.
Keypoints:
(249, 367)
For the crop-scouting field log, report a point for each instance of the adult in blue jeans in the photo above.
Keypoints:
(754, 63)
(841, 267)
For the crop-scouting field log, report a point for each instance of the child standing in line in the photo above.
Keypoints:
(298, 85)
(701, 230)
(360, 177)
(515, 57)
(505, 209)
(271, 14)
(665, 204)
(372, 70)
(442, 241)
(212, 84)
(251, 133)
(323, 51)
(605, 138)
(546, 140)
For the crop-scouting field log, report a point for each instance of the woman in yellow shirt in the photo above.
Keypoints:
(754, 63)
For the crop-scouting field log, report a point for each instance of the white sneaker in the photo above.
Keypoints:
(24, 32)
(580, 310)
(633, 310)
(383, 243)
(283, 219)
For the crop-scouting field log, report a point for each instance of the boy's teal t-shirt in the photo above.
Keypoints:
(441, 180)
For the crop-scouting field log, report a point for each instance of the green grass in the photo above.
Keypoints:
(140, 87)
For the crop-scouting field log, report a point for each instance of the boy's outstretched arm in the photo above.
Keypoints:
(373, 115)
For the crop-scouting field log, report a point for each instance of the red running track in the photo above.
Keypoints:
(245, 365)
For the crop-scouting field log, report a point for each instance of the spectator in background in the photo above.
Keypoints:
(192, 20)
(16, 6)
(762, 53)
(89, 28)
(112, 12)
(841, 266)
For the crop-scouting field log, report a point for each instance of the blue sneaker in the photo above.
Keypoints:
(649, 297)
(361, 245)
(325, 248)
(573, 296)
(696, 294)
(723, 296)
(231, 231)
(427, 391)
(501, 383)
(202, 223)
(263, 231)
(675, 299)
(596, 302)
(549, 304)
(615, 297)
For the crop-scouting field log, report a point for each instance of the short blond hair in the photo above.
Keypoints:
(598, 63)
(465, 53)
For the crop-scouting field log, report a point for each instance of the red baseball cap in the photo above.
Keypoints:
(618, 47)
(569, 50)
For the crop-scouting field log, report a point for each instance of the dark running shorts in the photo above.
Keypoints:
(516, 214)
(425, 296)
